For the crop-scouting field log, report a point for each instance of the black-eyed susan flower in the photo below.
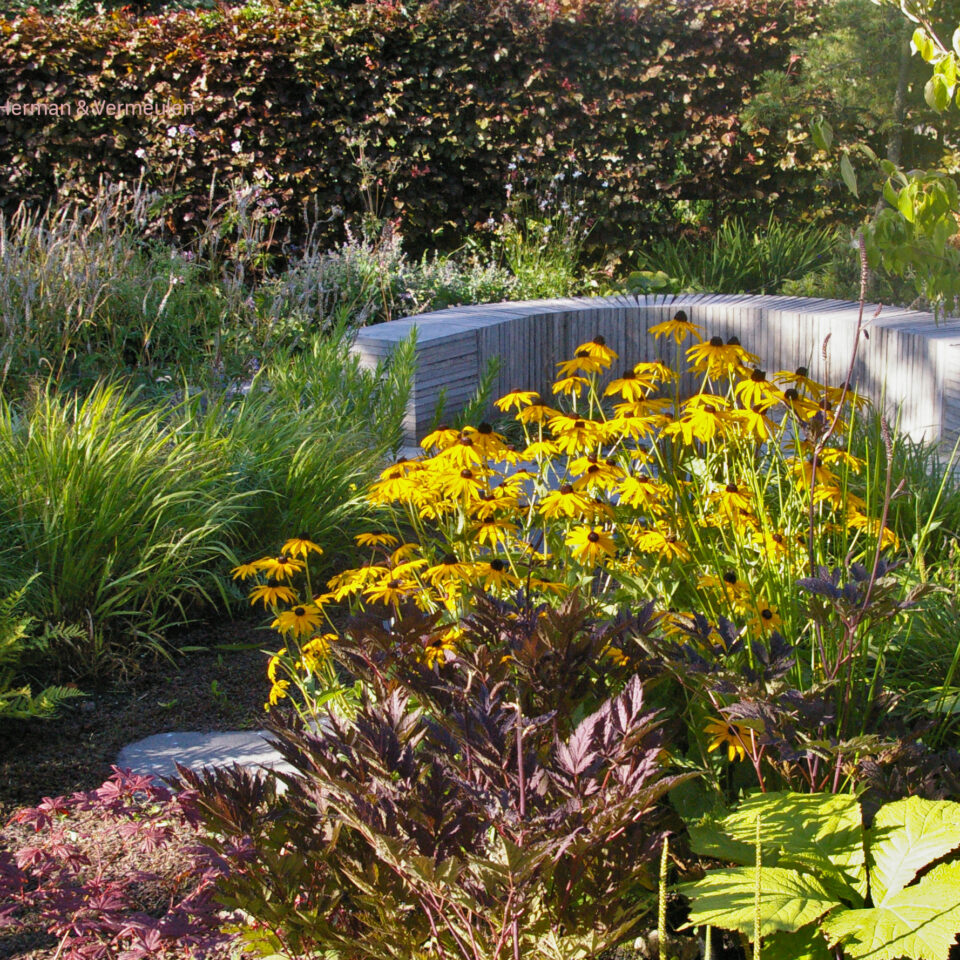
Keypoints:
(394, 484)
(757, 391)
(277, 693)
(375, 540)
(855, 520)
(629, 386)
(540, 450)
(351, 582)
(537, 412)
(467, 483)
(772, 544)
(271, 593)
(316, 652)
(581, 363)
(300, 620)
(570, 386)
(800, 406)
(799, 379)
(494, 533)
(565, 502)
(596, 476)
(752, 424)
(700, 421)
(489, 442)
(280, 568)
(598, 349)
(517, 400)
(390, 590)
(732, 499)
(655, 370)
(680, 327)
(590, 544)
(663, 542)
(441, 647)
(643, 493)
(495, 574)
(735, 591)
(245, 570)
(441, 438)
(834, 455)
(301, 546)
(735, 736)
(765, 620)
(448, 569)
(573, 434)
(463, 453)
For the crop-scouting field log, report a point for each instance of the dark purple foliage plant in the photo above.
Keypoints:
(503, 803)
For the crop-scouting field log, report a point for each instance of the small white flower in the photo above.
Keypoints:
(511, 166)
(576, 173)
(171, 131)
(141, 153)
(235, 146)
(605, 184)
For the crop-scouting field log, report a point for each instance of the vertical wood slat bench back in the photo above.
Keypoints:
(907, 360)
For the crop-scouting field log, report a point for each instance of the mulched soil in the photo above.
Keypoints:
(220, 689)
(214, 690)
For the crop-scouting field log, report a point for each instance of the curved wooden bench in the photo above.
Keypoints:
(906, 358)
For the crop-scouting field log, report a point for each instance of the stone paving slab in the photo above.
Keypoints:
(157, 755)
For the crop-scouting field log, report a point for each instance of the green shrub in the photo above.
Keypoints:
(444, 93)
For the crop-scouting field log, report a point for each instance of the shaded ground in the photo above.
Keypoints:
(222, 690)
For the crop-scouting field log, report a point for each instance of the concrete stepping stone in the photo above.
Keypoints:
(158, 754)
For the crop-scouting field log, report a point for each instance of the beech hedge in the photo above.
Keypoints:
(642, 98)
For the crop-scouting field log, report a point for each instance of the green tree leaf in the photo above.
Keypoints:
(920, 922)
(788, 899)
(849, 177)
(818, 831)
(807, 943)
(905, 836)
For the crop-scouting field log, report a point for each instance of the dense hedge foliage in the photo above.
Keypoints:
(642, 100)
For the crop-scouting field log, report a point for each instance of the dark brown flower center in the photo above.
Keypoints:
(466, 474)
(758, 376)
(497, 565)
(298, 611)
(593, 536)
(599, 341)
(801, 372)
(730, 577)
(732, 488)
(680, 317)
(716, 341)
(485, 428)
(766, 614)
